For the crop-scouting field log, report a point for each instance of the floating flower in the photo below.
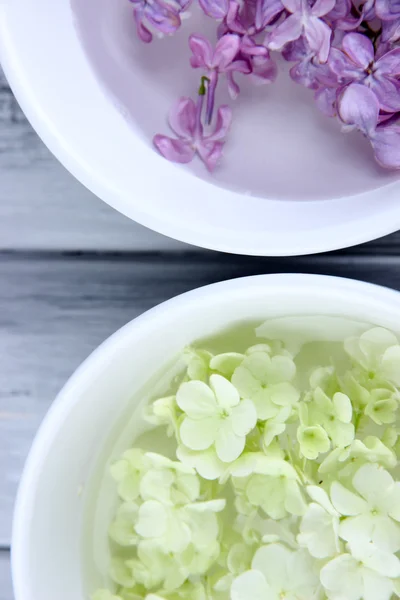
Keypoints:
(159, 15)
(382, 406)
(359, 107)
(128, 472)
(347, 460)
(169, 482)
(365, 574)
(265, 379)
(313, 439)
(356, 62)
(122, 530)
(305, 19)
(185, 120)
(277, 573)
(334, 415)
(377, 350)
(373, 512)
(164, 412)
(215, 415)
(319, 528)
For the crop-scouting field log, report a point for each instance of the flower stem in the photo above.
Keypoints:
(211, 96)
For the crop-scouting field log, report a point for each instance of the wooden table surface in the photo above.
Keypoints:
(72, 271)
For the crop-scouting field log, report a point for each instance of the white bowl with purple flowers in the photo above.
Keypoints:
(262, 127)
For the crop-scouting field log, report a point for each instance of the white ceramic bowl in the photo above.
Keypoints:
(48, 525)
(290, 183)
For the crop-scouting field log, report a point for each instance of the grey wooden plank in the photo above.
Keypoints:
(55, 310)
(43, 206)
(6, 592)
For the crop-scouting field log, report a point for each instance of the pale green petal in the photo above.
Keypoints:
(200, 434)
(226, 394)
(386, 534)
(372, 482)
(259, 348)
(382, 411)
(245, 382)
(259, 364)
(226, 363)
(198, 364)
(121, 573)
(294, 501)
(206, 463)
(152, 520)
(319, 495)
(214, 506)
(228, 445)
(343, 576)
(274, 467)
(122, 530)
(343, 407)
(197, 400)
(331, 462)
(243, 418)
(272, 430)
(284, 394)
(251, 585)
(392, 502)
(376, 587)
(313, 441)
(346, 502)
(282, 369)
(341, 434)
(239, 558)
(187, 489)
(156, 485)
(177, 536)
(384, 563)
(391, 364)
(265, 408)
(320, 376)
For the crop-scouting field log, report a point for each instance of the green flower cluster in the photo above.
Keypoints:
(282, 489)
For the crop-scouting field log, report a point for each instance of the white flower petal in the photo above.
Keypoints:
(345, 502)
(199, 434)
(391, 364)
(317, 532)
(226, 394)
(343, 576)
(392, 502)
(152, 520)
(245, 382)
(243, 418)
(294, 501)
(386, 534)
(343, 407)
(155, 484)
(384, 563)
(226, 363)
(197, 400)
(273, 561)
(376, 587)
(206, 463)
(228, 445)
(319, 495)
(372, 482)
(357, 529)
(252, 585)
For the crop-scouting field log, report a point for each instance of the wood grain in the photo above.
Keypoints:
(54, 310)
(6, 592)
(43, 206)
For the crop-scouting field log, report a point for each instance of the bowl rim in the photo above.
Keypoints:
(21, 63)
(97, 361)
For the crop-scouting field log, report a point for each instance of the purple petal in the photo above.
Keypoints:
(233, 20)
(325, 99)
(216, 9)
(250, 48)
(359, 48)
(359, 106)
(340, 11)
(267, 11)
(318, 35)
(390, 31)
(343, 67)
(182, 118)
(144, 34)
(296, 51)
(264, 70)
(233, 87)
(202, 52)
(293, 6)
(387, 91)
(240, 66)
(291, 29)
(387, 10)
(389, 63)
(226, 51)
(178, 151)
(222, 125)
(386, 143)
(322, 7)
(162, 17)
(304, 73)
(210, 153)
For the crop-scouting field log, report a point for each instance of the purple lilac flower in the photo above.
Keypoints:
(305, 19)
(387, 10)
(185, 120)
(216, 9)
(359, 107)
(307, 70)
(158, 15)
(222, 59)
(356, 62)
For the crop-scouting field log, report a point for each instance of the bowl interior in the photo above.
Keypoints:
(51, 515)
(280, 145)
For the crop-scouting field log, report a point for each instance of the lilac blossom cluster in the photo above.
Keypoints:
(347, 53)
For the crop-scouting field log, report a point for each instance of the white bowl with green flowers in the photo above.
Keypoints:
(237, 442)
